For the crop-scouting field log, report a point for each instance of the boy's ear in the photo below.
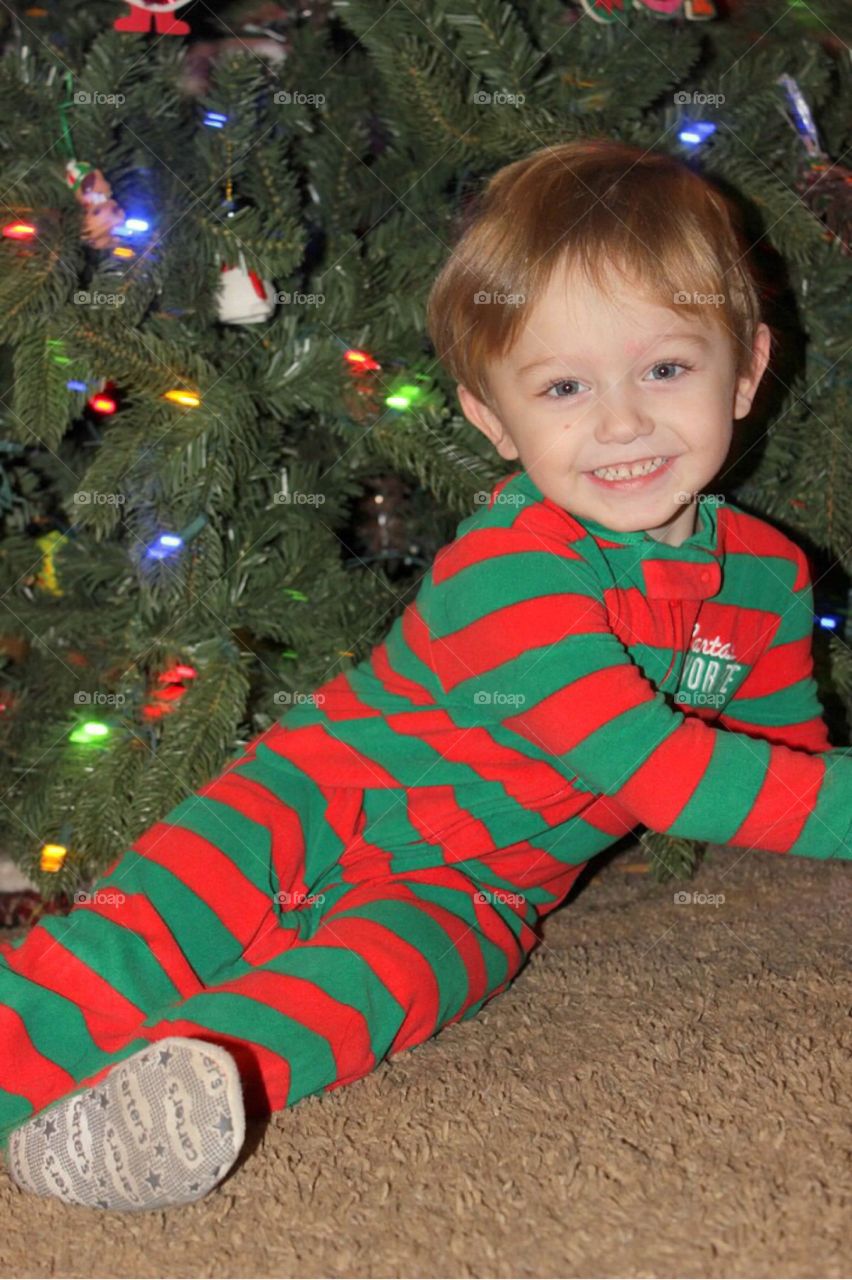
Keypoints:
(486, 421)
(747, 385)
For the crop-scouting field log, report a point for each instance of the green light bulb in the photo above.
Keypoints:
(90, 731)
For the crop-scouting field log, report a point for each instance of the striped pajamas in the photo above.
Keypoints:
(377, 864)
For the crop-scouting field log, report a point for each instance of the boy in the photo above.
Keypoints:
(601, 646)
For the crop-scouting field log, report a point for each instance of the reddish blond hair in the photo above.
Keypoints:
(600, 205)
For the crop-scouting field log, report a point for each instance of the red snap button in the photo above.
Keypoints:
(705, 575)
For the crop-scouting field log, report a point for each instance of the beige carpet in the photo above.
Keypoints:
(664, 1091)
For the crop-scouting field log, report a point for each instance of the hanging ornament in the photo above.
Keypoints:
(610, 10)
(383, 527)
(243, 297)
(825, 188)
(147, 13)
(46, 578)
(103, 214)
(802, 118)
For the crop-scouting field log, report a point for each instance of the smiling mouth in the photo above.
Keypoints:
(630, 470)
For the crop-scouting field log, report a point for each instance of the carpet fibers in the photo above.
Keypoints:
(663, 1091)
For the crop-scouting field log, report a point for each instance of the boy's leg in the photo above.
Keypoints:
(388, 963)
(168, 918)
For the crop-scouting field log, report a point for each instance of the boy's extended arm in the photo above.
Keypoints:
(524, 646)
(778, 698)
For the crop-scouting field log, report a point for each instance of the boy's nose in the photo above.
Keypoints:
(618, 420)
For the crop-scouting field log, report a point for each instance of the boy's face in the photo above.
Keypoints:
(612, 389)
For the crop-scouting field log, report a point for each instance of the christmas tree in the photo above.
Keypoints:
(227, 453)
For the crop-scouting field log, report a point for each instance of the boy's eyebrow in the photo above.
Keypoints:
(697, 338)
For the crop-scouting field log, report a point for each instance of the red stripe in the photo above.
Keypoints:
(528, 867)
(404, 978)
(744, 534)
(342, 1025)
(393, 681)
(253, 799)
(419, 640)
(810, 735)
(475, 747)
(209, 873)
(23, 1070)
(140, 915)
(787, 797)
(603, 813)
(486, 544)
(662, 786)
(109, 1016)
(435, 813)
(525, 866)
(337, 700)
(359, 860)
(398, 964)
(778, 668)
(516, 630)
(549, 523)
(489, 922)
(329, 761)
(567, 717)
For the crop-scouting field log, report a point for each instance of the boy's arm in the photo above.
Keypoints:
(778, 698)
(524, 646)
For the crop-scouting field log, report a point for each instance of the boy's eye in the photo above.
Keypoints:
(669, 364)
(575, 382)
(563, 382)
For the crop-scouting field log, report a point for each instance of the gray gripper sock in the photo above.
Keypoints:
(162, 1128)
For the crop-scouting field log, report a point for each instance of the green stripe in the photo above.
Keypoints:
(796, 704)
(243, 841)
(310, 1056)
(530, 678)
(609, 756)
(797, 618)
(54, 1023)
(405, 661)
(717, 805)
(14, 1111)
(204, 940)
(301, 792)
(460, 903)
(416, 927)
(827, 831)
(117, 954)
(485, 586)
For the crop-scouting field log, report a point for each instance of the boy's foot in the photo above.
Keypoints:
(162, 1128)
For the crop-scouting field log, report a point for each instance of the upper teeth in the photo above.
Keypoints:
(625, 472)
